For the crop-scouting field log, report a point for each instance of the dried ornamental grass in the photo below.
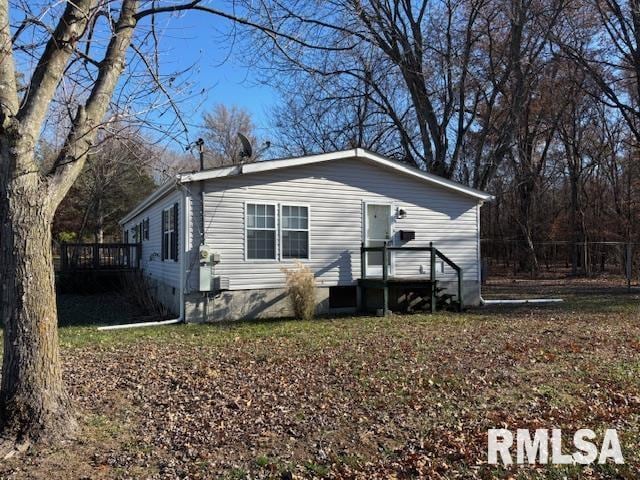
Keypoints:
(301, 288)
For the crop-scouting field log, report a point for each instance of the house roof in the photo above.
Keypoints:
(269, 165)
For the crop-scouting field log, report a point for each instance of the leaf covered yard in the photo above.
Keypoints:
(363, 397)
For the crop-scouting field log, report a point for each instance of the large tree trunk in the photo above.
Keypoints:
(33, 401)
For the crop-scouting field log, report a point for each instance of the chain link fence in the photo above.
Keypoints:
(560, 259)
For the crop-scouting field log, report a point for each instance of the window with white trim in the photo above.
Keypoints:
(295, 231)
(170, 233)
(261, 231)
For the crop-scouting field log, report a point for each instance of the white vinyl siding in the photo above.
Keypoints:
(151, 259)
(335, 193)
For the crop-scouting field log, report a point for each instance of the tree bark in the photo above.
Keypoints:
(34, 405)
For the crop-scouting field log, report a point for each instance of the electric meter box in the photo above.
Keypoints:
(208, 255)
(208, 258)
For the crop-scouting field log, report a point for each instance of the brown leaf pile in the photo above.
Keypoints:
(403, 397)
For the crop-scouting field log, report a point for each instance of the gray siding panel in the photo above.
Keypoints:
(168, 271)
(335, 192)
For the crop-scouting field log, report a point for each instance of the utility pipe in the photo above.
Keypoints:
(141, 324)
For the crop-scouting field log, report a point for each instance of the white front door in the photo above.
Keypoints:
(378, 225)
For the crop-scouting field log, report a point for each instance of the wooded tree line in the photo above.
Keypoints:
(535, 101)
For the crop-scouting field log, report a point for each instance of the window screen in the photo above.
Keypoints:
(261, 231)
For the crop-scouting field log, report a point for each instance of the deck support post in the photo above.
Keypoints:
(363, 275)
(432, 265)
(95, 251)
(385, 278)
(460, 299)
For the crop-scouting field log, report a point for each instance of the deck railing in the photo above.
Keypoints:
(100, 256)
(386, 250)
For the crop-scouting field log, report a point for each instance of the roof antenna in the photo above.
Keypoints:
(199, 143)
(266, 146)
(247, 150)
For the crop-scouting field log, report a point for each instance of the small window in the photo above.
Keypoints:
(261, 231)
(343, 297)
(295, 232)
(170, 233)
(145, 229)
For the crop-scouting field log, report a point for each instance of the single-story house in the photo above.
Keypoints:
(214, 242)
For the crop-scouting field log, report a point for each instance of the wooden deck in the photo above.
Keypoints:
(76, 257)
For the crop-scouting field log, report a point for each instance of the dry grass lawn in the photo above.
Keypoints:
(404, 396)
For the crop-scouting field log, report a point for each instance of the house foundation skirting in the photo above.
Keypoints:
(167, 295)
(246, 305)
(274, 303)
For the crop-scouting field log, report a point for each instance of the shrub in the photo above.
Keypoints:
(301, 288)
(139, 292)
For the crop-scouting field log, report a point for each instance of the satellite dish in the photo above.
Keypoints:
(247, 151)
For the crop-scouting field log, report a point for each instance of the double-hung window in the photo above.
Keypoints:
(261, 231)
(295, 232)
(170, 233)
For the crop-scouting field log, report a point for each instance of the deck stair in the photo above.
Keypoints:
(410, 293)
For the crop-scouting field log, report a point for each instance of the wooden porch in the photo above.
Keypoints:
(106, 257)
(385, 282)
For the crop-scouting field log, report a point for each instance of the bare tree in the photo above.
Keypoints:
(220, 133)
(116, 177)
(416, 67)
(605, 43)
(65, 69)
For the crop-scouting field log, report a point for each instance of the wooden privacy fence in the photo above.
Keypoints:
(99, 256)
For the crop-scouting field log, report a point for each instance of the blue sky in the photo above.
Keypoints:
(191, 39)
(202, 39)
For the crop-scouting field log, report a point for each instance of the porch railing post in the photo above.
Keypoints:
(96, 256)
(432, 266)
(460, 299)
(127, 255)
(363, 275)
(385, 277)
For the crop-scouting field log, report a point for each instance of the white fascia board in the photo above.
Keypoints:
(211, 174)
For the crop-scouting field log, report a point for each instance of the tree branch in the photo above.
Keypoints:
(272, 32)
(69, 163)
(8, 86)
(52, 64)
